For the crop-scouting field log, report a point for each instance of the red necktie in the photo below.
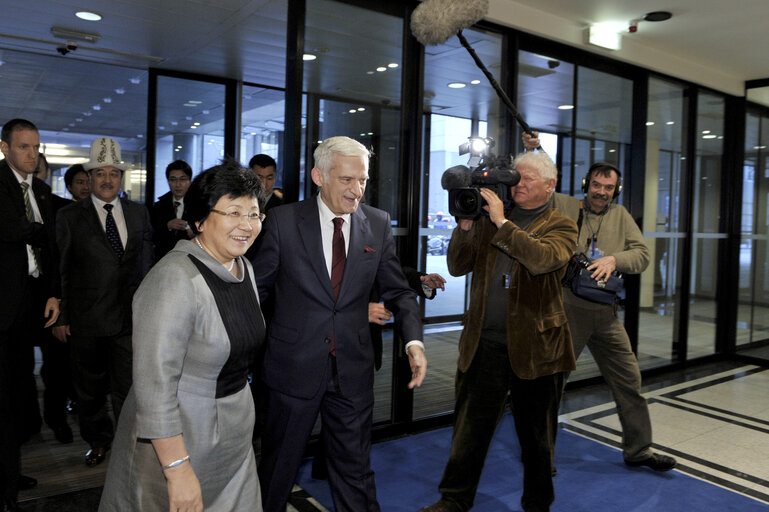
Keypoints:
(338, 260)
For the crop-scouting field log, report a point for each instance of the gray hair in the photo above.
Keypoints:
(540, 161)
(344, 146)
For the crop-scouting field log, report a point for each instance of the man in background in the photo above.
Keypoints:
(168, 215)
(28, 301)
(105, 243)
(265, 167)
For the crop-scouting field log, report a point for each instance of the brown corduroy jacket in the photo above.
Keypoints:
(538, 336)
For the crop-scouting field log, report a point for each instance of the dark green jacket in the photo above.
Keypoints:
(538, 337)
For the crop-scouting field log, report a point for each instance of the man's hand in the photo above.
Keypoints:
(61, 332)
(530, 142)
(431, 280)
(178, 224)
(51, 311)
(465, 224)
(378, 313)
(495, 207)
(418, 363)
(603, 267)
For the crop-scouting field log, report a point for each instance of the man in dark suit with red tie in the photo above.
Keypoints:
(169, 217)
(105, 246)
(317, 262)
(30, 287)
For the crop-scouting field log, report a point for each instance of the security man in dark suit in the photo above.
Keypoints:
(29, 283)
(105, 243)
(266, 168)
(169, 221)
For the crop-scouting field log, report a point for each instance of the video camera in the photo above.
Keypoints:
(483, 170)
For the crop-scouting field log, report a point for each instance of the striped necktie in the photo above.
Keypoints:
(112, 233)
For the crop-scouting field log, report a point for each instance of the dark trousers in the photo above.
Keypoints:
(57, 379)
(346, 421)
(19, 411)
(101, 365)
(481, 393)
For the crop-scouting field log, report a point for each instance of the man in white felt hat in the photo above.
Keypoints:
(106, 249)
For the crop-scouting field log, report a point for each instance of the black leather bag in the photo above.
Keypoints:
(577, 278)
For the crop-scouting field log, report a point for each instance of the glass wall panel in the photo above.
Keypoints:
(602, 134)
(706, 215)
(664, 223)
(262, 126)
(753, 308)
(353, 88)
(459, 103)
(190, 126)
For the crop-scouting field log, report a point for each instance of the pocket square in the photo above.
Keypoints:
(369, 249)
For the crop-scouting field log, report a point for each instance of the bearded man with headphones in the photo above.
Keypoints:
(609, 236)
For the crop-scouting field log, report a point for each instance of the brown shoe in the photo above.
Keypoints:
(96, 455)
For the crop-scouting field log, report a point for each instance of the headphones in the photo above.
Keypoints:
(602, 166)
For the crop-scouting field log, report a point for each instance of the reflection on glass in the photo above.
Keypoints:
(262, 126)
(190, 126)
(664, 224)
(705, 224)
(753, 307)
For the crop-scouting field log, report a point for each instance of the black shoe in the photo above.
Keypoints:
(62, 433)
(656, 461)
(96, 456)
(26, 483)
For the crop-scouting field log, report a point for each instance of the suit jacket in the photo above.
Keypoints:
(275, 200)
(16, 232)
(163, 211)
(538, 336)
(97, 286)
(291, 272)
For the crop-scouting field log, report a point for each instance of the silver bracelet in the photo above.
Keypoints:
(176, 462)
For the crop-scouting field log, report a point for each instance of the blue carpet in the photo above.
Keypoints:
(591, 477)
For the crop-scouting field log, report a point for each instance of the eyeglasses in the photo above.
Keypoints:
(178, 179)
(237, 216)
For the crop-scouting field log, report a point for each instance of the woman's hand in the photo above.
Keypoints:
(184, 493)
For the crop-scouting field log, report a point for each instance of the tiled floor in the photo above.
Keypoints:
(713, 418)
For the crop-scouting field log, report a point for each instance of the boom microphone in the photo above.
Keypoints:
(456, 177)
(435, 21)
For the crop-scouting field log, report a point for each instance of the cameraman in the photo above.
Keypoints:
(609, 236)
(515, 338)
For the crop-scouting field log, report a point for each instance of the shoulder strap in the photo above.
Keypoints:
(579, 219)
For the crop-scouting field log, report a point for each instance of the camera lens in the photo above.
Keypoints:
(465, 202)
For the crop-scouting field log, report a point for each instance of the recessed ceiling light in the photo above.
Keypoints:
(88, 15)
(193, 126)
(361, 109)
(120, 91)
(309, 56)
(369, 72)
(565, 107)
(205, 112)
(352, 111)
(174, 123)
(705, 132)
(381, 68)
(649, 123)
(392, 65)
(759, 147)
(196, 123)
(670, 123)
(253, 133)
(96, 107)
(710, 136)
(475, 82)
(107, 100)
(135, 80)
(457, 85)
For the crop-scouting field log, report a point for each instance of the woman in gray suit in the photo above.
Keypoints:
(184, 438)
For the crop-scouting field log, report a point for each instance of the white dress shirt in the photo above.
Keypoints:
(326, 235)
(31, 267)
(117, 213)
